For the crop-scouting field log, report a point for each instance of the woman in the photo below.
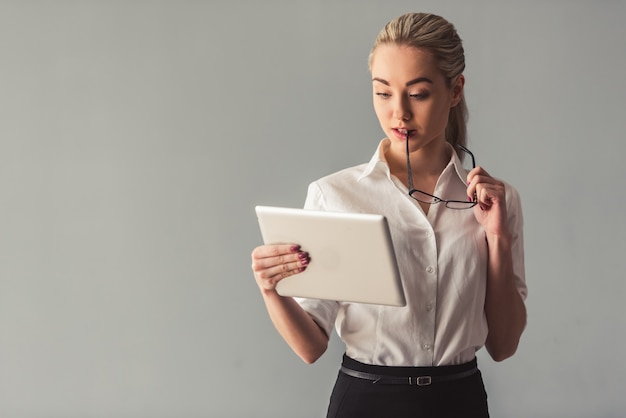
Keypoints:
(458, 241)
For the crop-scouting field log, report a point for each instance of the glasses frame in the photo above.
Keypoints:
(435, 199)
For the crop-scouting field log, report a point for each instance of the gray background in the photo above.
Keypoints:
(137, 136)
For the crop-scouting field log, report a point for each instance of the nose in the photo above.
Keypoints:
(402, 110)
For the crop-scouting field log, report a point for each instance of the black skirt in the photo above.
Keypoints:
(364, 391)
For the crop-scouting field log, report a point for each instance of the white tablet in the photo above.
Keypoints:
(352, 255)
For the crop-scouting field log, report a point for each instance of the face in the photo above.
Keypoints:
(411, 95)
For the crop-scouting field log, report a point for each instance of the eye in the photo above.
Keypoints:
(383, 95)
(419, 96)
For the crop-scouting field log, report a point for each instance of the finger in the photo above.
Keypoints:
(259, 264)
(482, 196)
(274, 250)
(487, 194)
(484, 180)
(479, 176)
(478, 171)
(284, 270)
(269, 278)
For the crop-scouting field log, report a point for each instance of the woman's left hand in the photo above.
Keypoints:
(491, 208)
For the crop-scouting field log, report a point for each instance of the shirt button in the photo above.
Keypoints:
(430, 270)
(429, 307)
(427, 347)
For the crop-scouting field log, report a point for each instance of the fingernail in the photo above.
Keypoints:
(295, 248)
(301, 269)
(305, 262)
(303, 255)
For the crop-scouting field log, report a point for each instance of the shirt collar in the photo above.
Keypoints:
(461, 171)
(378, 162)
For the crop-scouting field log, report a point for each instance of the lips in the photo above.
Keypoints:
(402, 132)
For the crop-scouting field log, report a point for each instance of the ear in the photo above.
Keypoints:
(457, 90)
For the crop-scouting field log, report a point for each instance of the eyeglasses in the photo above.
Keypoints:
(430, 199)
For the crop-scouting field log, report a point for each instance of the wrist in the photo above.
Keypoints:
(499, 239)
(269, 293)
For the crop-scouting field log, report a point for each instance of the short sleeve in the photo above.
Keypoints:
(516, 225)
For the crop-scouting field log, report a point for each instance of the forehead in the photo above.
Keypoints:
(401, 63)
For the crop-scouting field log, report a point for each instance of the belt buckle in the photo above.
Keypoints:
(423, 380)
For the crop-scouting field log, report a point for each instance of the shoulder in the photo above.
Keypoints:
(513, 198)
(350, 174)
(344, 189)
(513, 206)
(337, 191)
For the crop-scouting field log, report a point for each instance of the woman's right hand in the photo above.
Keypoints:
(272, 263)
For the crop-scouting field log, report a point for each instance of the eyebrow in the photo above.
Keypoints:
(409, 83)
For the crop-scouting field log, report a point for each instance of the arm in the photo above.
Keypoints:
(504, 307)
(270, 264)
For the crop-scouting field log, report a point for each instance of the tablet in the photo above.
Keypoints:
(352, 255)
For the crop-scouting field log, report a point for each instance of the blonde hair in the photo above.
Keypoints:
(437, 35)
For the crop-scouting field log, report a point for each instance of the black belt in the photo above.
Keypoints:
(407, 380)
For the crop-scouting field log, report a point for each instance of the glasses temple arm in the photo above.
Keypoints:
(408, 164)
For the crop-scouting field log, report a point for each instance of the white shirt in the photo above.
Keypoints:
(442, 257)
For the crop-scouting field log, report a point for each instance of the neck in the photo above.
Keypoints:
(426, 161)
